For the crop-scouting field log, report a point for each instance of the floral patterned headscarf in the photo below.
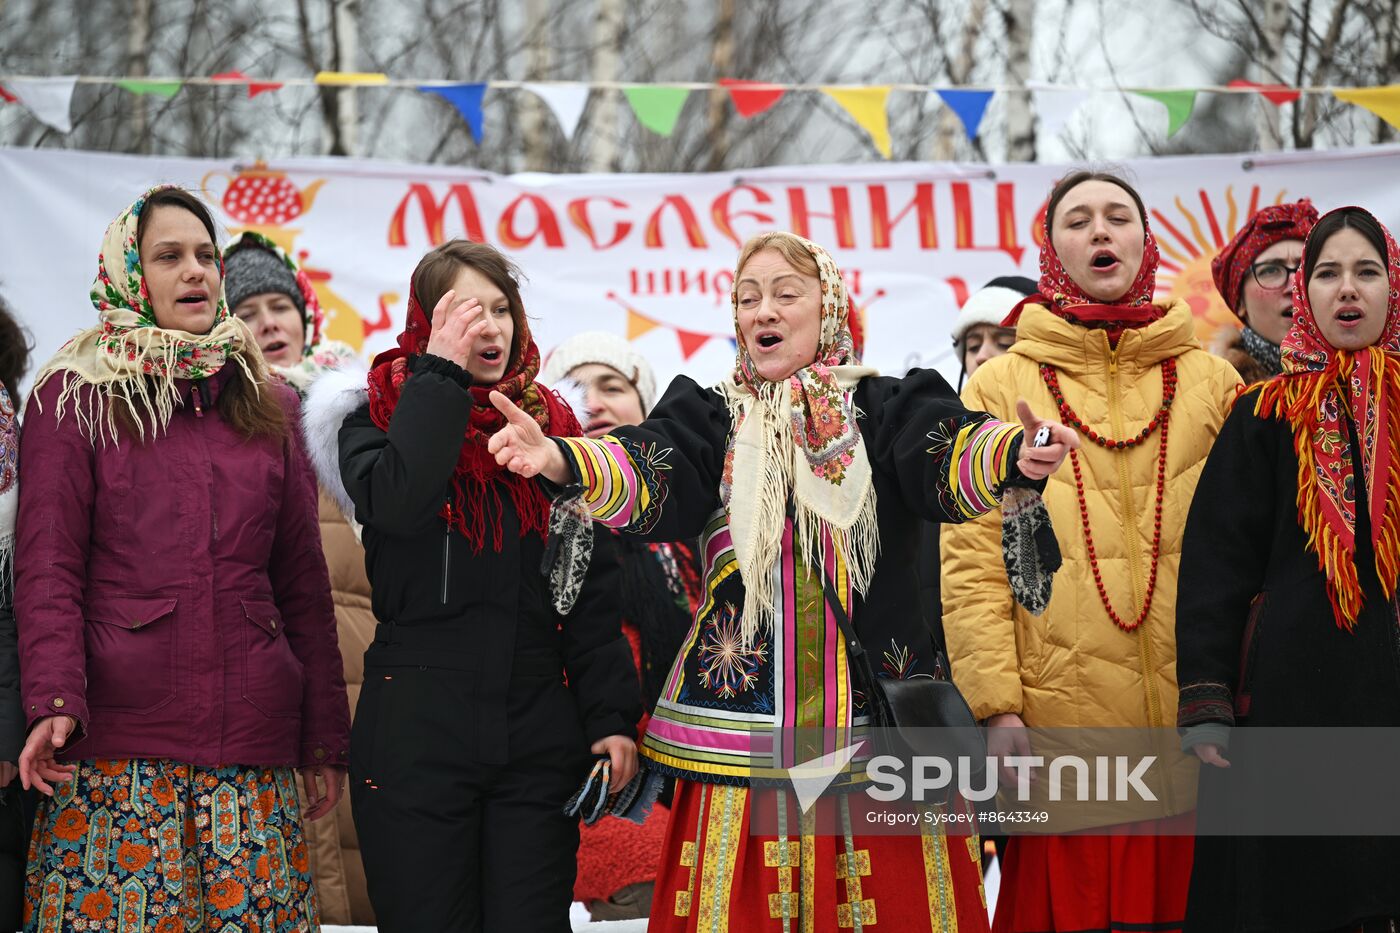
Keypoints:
(128, 358)
(1321, 388)
(799, 437)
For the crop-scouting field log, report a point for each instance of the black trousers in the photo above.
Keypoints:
(450, 844)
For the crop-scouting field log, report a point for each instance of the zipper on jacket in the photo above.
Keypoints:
(446, 551)
(198, 406)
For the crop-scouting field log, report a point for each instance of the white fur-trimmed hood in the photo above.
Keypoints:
(334, 396)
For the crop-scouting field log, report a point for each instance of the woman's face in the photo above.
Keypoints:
(612, 400)
(780, 315)
(490, 356)
(1269, 311)
(1098, 234)
(984, 341)
(181, 265)
(1348, 291)
(277, 325)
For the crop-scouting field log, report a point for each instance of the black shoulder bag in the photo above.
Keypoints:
(902, 710)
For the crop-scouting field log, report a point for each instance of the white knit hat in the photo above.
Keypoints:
(596, 346)
(992, 303)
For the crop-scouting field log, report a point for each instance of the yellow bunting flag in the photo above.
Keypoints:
(351, 78)
(866, 105)
(1384, 102)
(637, 325)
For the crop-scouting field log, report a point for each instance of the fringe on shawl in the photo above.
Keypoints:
(1293, 400)
(150, 397)
(857, 546)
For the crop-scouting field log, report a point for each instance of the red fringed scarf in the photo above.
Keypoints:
(1063, 296)
(1319, 386)
(477, 473)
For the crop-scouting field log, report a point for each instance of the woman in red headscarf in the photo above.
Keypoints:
(493, 671)
(1129, 375)
(1254, 275)
(1286, 614)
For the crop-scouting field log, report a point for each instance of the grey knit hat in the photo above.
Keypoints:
(251, 270)
(609, 349)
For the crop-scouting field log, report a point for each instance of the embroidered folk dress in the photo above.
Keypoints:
(725, 699)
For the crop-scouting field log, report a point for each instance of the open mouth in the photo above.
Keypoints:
(1104, 259)
(491, 355)
(1349, 315)
(277, 346)
(768, 341)
(193, 298)
(597, 428)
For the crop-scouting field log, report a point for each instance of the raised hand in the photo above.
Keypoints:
(456, 325)
(522, 447)
(1039, 462)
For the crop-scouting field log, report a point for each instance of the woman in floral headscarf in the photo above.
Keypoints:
(1129, 375)
(177, 643)
(499, 663)
(272, 295)
(1286, 611)
(787, 487)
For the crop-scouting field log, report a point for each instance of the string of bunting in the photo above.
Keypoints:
(658, 107)
(690, 341)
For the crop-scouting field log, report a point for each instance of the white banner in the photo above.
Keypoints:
(650, 256)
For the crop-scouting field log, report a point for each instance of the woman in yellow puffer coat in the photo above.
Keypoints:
(1130, 376)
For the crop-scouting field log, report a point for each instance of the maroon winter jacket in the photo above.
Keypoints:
(172, 596)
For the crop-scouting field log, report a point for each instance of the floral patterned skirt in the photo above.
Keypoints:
(150, 845)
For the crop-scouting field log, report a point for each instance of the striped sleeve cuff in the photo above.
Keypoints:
(982, 456)
(613, 492)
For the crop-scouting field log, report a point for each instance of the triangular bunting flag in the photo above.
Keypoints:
(49, 99)
(1054, 105)
(351, 78)
(466, 98)
(7, 97)
(734, 344)
(1384, 102)
(166, 89)
(752, 97)
(565, 100)
(970, 106)
(691, 342)
(866, 105)
(657, 107)
(1276, 94)
(637, 325)
(1179, 105)
(254, 87)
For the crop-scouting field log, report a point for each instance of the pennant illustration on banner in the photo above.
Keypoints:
(638, 325)
(7, 97)
(1384, 102)
(970, 106)
(466, 98)
(565, 100)
(657, 106)
(751, 97)
(49, 99)
(1276, 94)
(866, 105)
(254, 87)
(351, 78)
(691, 342)
(166, 89)
(1054, 106)
(1179, 105)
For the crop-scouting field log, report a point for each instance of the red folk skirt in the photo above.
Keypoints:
(718, 877)
(1134, 880)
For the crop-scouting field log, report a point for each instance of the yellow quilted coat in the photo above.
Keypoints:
(1072, 666)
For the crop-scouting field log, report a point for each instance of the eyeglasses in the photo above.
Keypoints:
(1272, 274)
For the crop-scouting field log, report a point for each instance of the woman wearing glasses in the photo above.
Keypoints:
(1253, 273)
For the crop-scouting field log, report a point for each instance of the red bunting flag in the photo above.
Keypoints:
(1276, 94)
(254, 87)
(691, 342)
(751, 97)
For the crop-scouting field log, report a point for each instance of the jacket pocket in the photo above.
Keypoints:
(131, 652)
(272, 675)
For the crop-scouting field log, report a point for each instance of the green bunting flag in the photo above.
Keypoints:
(657, 106)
